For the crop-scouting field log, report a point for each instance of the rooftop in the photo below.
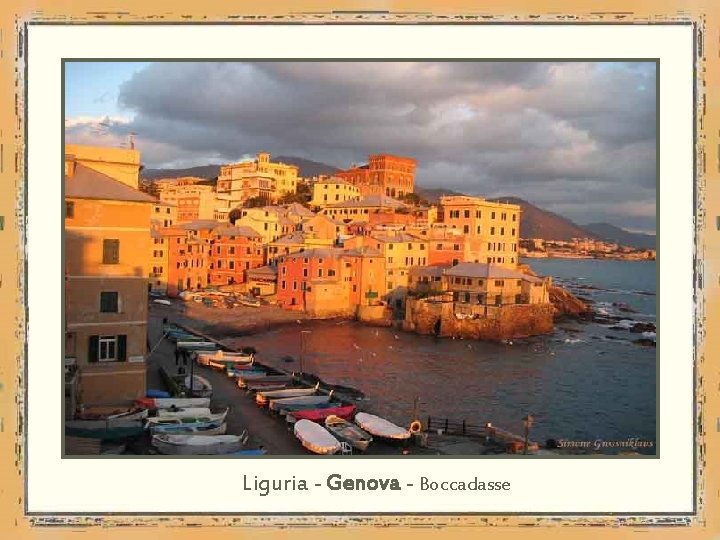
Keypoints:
(382, 201)
(229, 230)
(488, 271)
(87, 183)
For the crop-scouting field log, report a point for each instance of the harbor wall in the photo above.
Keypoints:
(492, 323)
(374, 315)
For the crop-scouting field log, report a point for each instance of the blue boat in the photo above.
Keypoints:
(157, 394)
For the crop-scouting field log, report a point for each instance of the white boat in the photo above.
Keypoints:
(348, 432)
(163, 302)
(113, 413)
(379, 427)
(201, 418)
(182, 412)
(189, 445)
(195, 428)
(201, 387)
(316, 438)
(261, 398)
(278, 404)
(222, 358)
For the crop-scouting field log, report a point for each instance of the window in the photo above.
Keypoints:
(390, 285)
(320, 272)
(284, 270)
(107, 348)
(111, 251)
(108, 302)
(492, 215)
(422, 246)
(331, 273)
(305, 272)
(231, 250)
(492, 230)
(467, 213)
(157, 210)
(390, 246)
(456, 247)
(409, 246)
(512, 232)
(439, 246)
(514, 217)
(282, 285)
(502, 231)
(294, 285)
(69, 209)
(231, 265)
(219, 264)
(499, 283)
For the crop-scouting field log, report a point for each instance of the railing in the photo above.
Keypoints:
(447, 426)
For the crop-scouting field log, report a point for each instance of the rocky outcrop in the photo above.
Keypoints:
(497, 324)
(566, 305)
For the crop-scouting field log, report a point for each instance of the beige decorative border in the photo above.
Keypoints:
(13, 522)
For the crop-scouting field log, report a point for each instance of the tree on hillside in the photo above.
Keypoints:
(303, 195)
(234, 215)
(255, 202)
(414, 199)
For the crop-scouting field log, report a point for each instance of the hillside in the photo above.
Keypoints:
(621, 236)
(307, 168)
(539, 223)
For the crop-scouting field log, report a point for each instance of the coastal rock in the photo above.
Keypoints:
(566, 304)
(645, 342)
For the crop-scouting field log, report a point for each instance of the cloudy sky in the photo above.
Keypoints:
(575, 138)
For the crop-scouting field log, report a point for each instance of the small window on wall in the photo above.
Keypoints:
(69, 209)
(108, 302)
(111, 251)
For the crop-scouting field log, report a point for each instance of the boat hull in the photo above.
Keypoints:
(196, 445)
(104, 429)
(316, 438)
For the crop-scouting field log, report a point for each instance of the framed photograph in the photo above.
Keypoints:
(363, 268)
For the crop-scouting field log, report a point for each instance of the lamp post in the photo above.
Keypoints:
(302, 349)
(527, 422)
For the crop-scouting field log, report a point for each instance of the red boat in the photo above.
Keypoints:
(319, 415)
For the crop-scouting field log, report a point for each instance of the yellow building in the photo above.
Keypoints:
(107, 242)
(159, 261)
(361, 210)
(258, 178)
(401, 252)
(496, 226)
(164, 214)
(122, 164)
(193, 201)
(333, 191)
(492, 285)
(270, 222)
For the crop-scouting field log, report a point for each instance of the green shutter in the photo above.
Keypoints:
(122, 348)
(93, 348)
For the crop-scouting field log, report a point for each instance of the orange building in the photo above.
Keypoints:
(107, 243)
(297, 271)
(235, 251)
(384, 174)
(189, 246)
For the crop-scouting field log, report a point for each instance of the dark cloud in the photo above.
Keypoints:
(577, 138)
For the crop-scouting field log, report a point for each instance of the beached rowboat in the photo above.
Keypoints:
(277, 404)
(182, 412)
(200, 418)
(197, 345)
(111, 413)
(167, 403)
(104, 429)
(265, 387)
(264, 379)
(319, 415)
(261, 398)
(316, 438)
(348, 432)
(187, 445)
(196, 428)
(379, 427)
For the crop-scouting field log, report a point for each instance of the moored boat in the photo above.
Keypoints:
(195, 428)
(347, 431)
(316, 438)
(188, 445)
(193, 345)
(289, 409)
(260, 386)
(277, 404)
(380, 427)
(108, 429)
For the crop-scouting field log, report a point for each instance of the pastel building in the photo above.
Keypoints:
(107, 241)
(495, 224)
(384, 174)
(259, 178)
(354, 211)
(333, 191)
(234, 252)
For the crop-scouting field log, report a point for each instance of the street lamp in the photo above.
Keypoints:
(302, 348)
(527, 422)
